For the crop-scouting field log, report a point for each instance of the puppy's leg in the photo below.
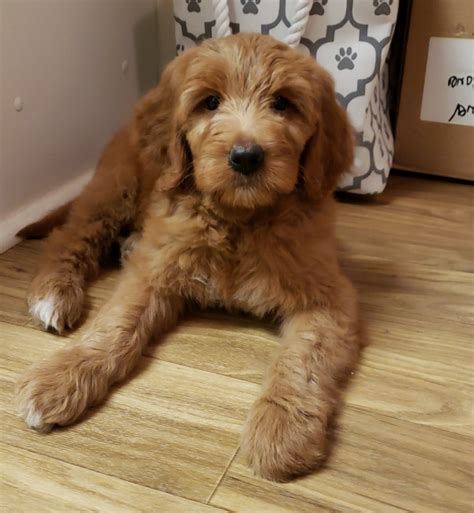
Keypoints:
(59, 389)
(73, 252)
(285, 433)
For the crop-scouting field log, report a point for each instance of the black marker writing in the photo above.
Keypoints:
(462, 111)
(455, 81)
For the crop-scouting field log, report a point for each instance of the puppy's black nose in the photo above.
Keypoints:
(246, 158)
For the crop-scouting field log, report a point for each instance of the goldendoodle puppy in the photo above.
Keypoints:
(227, 168)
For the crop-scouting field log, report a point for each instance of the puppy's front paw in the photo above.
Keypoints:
(60, 389)
(57, 304)
(281, 442)
(127, 245)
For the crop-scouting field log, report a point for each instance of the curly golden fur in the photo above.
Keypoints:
(262, 243)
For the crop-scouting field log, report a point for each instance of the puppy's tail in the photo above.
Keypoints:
(41, 228)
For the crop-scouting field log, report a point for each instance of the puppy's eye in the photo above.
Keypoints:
(280, 103)
(212, 102)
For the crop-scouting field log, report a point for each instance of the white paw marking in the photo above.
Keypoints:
(46, 311)
(33, 418)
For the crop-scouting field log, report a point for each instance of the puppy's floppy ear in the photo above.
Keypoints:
(330, 150)
(156, 131)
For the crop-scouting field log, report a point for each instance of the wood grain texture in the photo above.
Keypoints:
(17, 268)
(377, 464)
(171, 427)
(167, 439)
(32, 482)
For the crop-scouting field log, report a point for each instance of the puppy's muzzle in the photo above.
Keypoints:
(246, 157)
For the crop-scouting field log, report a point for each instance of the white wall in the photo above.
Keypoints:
(166, 32)
(65, 59)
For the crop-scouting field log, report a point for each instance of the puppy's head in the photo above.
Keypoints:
(249, 119)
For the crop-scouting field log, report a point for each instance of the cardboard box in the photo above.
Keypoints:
(435, 125)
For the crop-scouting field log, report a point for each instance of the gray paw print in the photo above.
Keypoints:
(193, 5)
(382, 7)
(250, 6)
(318, 7)
(346, 58)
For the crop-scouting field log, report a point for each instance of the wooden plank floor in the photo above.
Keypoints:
(167, 441)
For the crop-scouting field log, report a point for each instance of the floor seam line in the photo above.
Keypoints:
(219, 481)
(96, 471)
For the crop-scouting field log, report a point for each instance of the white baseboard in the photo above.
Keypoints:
(37, 208)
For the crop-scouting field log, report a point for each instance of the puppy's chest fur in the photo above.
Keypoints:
(232, 273)
(249, 266)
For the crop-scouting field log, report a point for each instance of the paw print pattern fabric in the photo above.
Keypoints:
(350, 38)
(346, 58)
